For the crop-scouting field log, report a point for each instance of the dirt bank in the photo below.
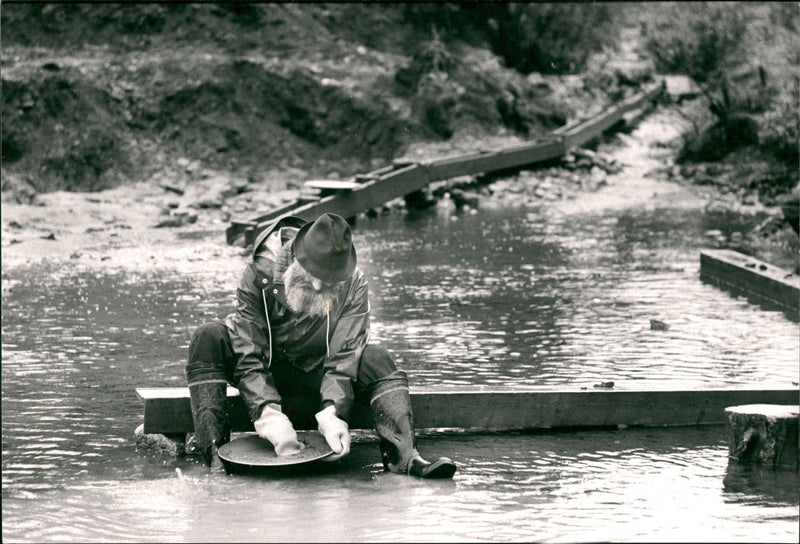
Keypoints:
(117, 228)
(170, 133)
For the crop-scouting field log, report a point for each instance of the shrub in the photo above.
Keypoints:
(546, 37)
(697, 39)
(780, 133)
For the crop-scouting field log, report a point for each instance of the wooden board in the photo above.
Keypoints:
(331, 185)
(740, 273)
(167, 410)
(580, 133)
(367, 195)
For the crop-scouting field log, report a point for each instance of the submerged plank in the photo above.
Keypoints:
(167, 410)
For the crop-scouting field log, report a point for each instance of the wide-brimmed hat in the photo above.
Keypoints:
(324, 248)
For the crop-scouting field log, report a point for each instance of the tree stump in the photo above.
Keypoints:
(765, 434)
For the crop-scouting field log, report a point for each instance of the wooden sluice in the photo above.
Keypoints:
(167, 410)
(759, 281)
(374, 188)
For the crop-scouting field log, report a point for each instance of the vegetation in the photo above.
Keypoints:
(551, 38)
(729, 50)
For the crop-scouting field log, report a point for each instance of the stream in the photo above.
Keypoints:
(560, 294)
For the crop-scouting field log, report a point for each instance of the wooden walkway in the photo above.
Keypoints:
(167, 410)
(371, 190)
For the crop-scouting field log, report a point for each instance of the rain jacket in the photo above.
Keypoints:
(263, 330)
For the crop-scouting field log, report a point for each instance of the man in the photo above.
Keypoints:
(297, 349)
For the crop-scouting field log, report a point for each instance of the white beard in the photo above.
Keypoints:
(301, 297)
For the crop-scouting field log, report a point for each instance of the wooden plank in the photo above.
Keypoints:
(367, 195)
(461, 165)
(528, 153)
(737, 272)
(331, 185)
(167, 410)
(501, 159)
(579, 134)
(238, 228)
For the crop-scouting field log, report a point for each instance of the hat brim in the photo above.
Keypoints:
(320, 270)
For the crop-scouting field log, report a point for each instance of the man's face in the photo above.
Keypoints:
(307, 294)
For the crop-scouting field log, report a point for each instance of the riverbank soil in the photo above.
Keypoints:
(133, 134)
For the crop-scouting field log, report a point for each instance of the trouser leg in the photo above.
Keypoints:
(394, 419)
(299, 390)
(207, 373)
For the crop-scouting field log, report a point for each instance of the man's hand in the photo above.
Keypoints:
(335, 431)
(273, 425)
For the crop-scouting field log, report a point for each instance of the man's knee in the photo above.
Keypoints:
(209, 349)
(376, 363)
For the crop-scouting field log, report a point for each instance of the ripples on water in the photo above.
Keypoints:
(565, 300)
(501, 297)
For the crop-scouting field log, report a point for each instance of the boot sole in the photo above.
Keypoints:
(439, 469)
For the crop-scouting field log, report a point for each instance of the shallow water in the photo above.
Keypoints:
(522, 297)
(505, 296)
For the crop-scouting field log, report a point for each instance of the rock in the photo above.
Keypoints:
(235, 187)
(582, 153)
(703, 179)
(173, 446)
(172, 188)
(208, 203)
(178, 219)
(536, 79)
(657, 325)
(18, 188)
(50, 236)
(750, 199)
(597, 175)
(462, 198)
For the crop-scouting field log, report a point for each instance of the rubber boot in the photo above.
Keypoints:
(394, 423)
(211, 423)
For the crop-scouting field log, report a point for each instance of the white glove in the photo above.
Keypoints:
(335, 431)
(273, 425)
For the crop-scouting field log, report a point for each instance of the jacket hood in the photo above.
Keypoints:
(285, 221)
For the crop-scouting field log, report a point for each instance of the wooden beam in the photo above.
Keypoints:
(167, 410)
(740, 273)
(369, 194)
(580, 133)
